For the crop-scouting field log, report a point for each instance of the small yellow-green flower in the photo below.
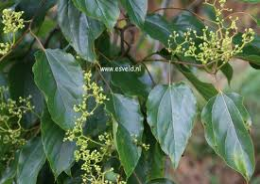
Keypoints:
(5, 48)
(91, 158)
(11, 113)
(12, 21)
(213, 45)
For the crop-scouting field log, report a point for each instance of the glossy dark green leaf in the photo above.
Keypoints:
(160, 29)
(227, 70)
(22, 85)
(136, 10)
(251, 51)
(9, 173)
(129, 82)
(140, 173)
(35, 9)
(3, 80)
(171, 110)
(31, 160)
(161, 181)
(156, 162)
(6, 4)
(186, 20)
(80, 30)
(157, 27)
(207, 90)
(97, 123)
(59, 153)
(225, 120)
(129, 125)
(106, 11)
(152, 165)
(60, 78)
(129, 152)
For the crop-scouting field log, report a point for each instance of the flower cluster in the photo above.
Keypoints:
(12, 22)
(11, 113)
(5, 48)
(214, 45)
(92, 153)
(146, 147)
(91, 158)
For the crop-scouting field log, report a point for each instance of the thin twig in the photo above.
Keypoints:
(137, 178)
(15, 45)
(149, 73)
(105, 57)
(244, 13)
(24, 33)
(52, 33)
(184, 9)
(103, 78)
(176, 62)
(37, 39)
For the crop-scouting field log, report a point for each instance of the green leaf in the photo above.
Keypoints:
(207, 90)
(136, 10)
(97, 123)
(160, 29)
(31, 160)
(60, 78)
(151, 165)
(157, 162)
(186, 20)
(258, 22)
(157, 27)
(3, 80)
(140, 173)
(35, 9)
(106, 11)
(129, 122)
(251, 51)
(22, 85)
(227, 70)
(225, 120)
(251, 1)
(80, 30)
(129, 152)
(6, 4)
(59, 153)
(171, 110)
(9, 173)
(161, 181)
(129, 82)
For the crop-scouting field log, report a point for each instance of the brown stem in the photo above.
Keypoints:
(149, 73)
(15, 45)
(184, 9)
(177, 62)
(37, 39)
(28, 30)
